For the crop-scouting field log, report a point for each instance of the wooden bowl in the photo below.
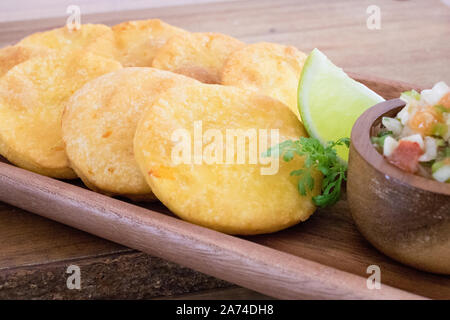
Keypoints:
(403, 215)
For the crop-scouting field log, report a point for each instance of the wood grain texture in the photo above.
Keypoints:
(242, 262)
(26, 10)
(413, 44)
(404, 215)
(125, 275)
(338, 29)
(25, 240)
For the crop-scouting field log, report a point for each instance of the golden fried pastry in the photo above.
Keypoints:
(217, 185)
(197, 55)
(274, 69)
(99, 123)
(32, 97)
(132, 43)
(13, 55)
(137, 42)
(63, 38)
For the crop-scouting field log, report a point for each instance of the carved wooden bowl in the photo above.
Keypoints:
(405, 216)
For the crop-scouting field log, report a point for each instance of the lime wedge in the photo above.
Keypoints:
(330, 101)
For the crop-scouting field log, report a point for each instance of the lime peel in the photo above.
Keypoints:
(329, 101)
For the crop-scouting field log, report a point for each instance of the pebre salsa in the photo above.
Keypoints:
(417, 139)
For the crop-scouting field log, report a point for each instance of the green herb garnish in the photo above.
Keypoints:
(413, 94)
(447, 152)
(317, 157)
(439, 130)
(437, 165)
(440, 108)
(379, 139)
(440, 142)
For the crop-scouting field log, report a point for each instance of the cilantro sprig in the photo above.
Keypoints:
(317, 157)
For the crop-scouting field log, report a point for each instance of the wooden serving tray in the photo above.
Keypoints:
(324, 257)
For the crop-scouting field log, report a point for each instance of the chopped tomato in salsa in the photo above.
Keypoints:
(406, 156)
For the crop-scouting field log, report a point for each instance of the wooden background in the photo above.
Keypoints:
(413, 45)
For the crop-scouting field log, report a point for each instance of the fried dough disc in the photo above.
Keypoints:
(197, 55)
(274, 69)
(32, 97)
(99, 123)
(13, 55)
(232, 198)
(136, 42)
(85, 38)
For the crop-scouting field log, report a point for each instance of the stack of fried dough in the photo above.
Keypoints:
(101, 103)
